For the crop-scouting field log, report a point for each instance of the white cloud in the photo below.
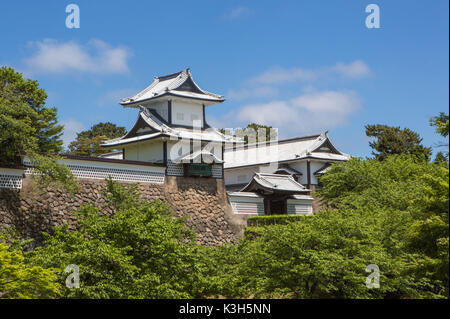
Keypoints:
(328, 101)
(242, 94)
(356, 69)
(237, 13)
(311, 112)
(96, 56)
(71, 128)
(280, 75)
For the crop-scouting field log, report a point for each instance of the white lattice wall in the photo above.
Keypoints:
(118, 174)
(217, 171)
(117, 171)
(174, 169)
(11, 178)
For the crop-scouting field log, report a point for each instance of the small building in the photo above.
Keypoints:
(281, 193)
(284, 172)
(171, 128)
(304, 158)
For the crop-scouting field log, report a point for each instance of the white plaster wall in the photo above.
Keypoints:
(315, 166)
(214, 148)
(175, 149)
(301, 167)
(189, 111)
(268, 169)
(145, 151)
(240, 175)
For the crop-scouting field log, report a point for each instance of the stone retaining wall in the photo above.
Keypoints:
(202, 200)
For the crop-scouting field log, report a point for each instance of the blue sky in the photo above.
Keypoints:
(302, 66)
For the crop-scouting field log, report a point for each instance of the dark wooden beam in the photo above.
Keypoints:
(191, 150)
(165, 152)
(169, 111)
(308, 172)
(204, 117)
(223, 160)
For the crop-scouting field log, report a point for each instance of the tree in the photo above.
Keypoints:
(26, 124)
(321, 256)
(17, 280)
(407, 201)
(441, 123)
(441, 159)
(88, 142)
(390, 140)
(430, 230)
(29, 128)
(140, 251)
(254, 133)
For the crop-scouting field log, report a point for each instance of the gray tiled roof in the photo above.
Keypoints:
(170, 84)
(276, 182)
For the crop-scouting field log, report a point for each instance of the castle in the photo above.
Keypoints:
(171, 143)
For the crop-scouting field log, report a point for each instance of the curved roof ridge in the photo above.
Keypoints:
(168, 84)
(286, 183)
(150, 119)
(280, 141)
(197, 153)
(170, 76)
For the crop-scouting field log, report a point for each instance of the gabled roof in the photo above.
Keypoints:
(149, 122)
(283, 151)
(199, 156)
(288, 170)
(323, 169)
(272, 183)
(180, 84)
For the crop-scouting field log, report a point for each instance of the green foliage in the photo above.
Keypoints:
(393, 183)
(18, 280)
(393, 140)
(139, 252)
(392, 213)
(88, 143)
(29, 128)
(441, 123)
(254, 133)
(407, 200)
(47, 172)
(253, 231)
(322, 256)
(272, 219)
(26, 124)
(441, 159)
(430, 229)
